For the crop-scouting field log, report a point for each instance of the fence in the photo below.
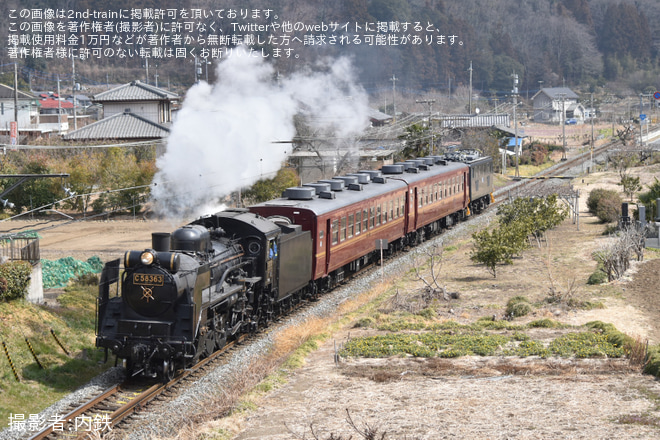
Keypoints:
(22, 246)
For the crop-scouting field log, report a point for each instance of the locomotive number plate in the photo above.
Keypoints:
(147, 279)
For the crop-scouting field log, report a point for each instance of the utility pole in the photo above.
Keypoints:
(470, 97)
(592, 113)
(393, 79)
(515, 121)
(430, 103)
(16, 93)
(612, 113)
(146, 65)
(449, 89)
(59, 107)
(641, 111)
(563, 126)
(73, 92)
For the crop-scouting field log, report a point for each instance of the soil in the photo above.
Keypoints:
(466, 398)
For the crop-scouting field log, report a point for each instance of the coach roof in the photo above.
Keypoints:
(348, 197)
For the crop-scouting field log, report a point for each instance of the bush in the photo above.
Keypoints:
(604, 204)
(518, 306)
(609, 209)
(14, 280)
(598, 277)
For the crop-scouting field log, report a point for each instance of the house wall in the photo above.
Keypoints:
(147, 109)
(549, 110)
(27, 114)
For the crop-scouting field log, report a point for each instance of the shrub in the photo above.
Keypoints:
(609, 209)
(518, 306)
(544, 323)
(365, 322)
(604, 204)
(15, 278)
(598, 277)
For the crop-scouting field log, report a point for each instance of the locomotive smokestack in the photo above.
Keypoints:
(160, 241)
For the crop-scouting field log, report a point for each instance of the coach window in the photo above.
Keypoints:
(384, 212)
(365, 220)
(428, 198)
(342, 236)
(378, 215)
(335, 231)
(351, 225)
(372, 217)
(391, 209)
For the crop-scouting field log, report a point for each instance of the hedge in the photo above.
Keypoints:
(14, 280)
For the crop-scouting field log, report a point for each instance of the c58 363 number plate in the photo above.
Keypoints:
(148, 279)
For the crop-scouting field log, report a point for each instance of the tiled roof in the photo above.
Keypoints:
(53, 103)
(557, 92)
(135, 91)
(120, 126)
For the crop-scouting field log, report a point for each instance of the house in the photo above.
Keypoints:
(378, 118)
(135, 111)
(549, 102)
(54, 113)
(28, 109)
(141, 99)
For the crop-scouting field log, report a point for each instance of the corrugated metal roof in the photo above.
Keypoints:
(378, 115)
(135, 91)
(120, 126)
(7, 92)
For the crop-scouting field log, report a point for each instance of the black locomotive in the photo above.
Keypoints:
(222, 275)
(233, 271)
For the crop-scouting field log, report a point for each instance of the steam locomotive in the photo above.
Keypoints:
(233, 271)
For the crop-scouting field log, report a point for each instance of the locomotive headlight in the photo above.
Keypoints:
(147, 258)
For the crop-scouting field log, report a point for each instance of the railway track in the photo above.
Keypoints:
(556, 172)
(114, 406)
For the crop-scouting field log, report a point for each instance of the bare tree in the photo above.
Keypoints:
(615, 255)
(430, 277)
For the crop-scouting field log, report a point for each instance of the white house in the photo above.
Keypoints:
(550, 103)
(28, 109)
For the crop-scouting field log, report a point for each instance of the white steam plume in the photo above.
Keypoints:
(223, 136)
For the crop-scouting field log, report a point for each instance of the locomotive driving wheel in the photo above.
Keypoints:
(167, 371)
(220, 334)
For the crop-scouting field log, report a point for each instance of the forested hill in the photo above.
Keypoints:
(576, 42)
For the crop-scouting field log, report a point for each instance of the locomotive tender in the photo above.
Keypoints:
(229, 273)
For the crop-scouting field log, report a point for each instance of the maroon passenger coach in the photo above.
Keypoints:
(403, 204)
